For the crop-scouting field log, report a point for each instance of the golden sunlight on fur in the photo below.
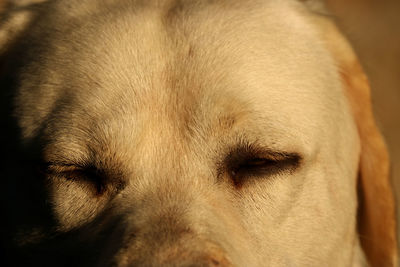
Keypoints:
(188, 133)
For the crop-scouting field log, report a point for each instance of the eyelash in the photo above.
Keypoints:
(85, 174)
(250, 161)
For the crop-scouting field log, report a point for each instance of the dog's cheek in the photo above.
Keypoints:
(74, 204)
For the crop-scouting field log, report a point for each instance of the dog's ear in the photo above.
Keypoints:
(15, 18)
(377, 222)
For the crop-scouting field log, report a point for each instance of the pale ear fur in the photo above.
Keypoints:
(377, 221)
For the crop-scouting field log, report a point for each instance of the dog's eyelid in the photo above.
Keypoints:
(254, 151)
(82, 173)
(279, 159)
(252, 160)
(61, 167)
(85, 171)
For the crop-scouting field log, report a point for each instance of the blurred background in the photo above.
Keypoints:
(373, 28)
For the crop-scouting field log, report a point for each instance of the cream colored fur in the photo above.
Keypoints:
(135, 109)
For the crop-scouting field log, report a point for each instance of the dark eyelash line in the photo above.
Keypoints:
(254, 151)
(243, 161)
(248, 160)
(102, 179)
(81, 172)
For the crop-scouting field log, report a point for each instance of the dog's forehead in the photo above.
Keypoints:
(205, 73)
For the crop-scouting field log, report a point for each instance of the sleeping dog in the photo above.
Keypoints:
(188, 133)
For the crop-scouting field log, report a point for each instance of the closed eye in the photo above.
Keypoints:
(96, 181)
(252, 161)
(84, 174)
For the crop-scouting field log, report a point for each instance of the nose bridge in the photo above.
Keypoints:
(166, 223)
(170, 220)
(163, 231)
(175, 225)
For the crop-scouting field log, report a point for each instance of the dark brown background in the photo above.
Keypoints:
(373, 27)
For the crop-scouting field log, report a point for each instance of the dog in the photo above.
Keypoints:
(188, 133)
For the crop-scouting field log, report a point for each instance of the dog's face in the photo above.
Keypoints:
(184, 134)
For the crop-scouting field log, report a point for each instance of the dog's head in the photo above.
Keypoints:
(189, 133)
